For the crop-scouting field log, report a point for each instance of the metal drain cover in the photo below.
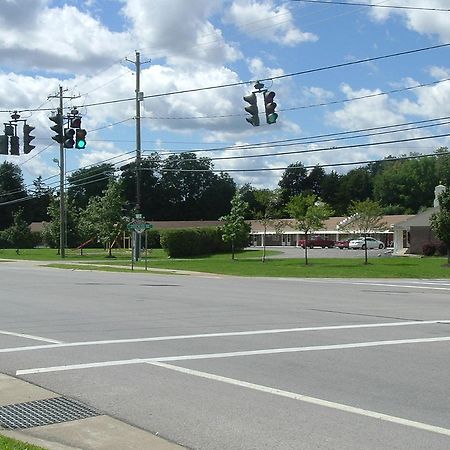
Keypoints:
(43, 412)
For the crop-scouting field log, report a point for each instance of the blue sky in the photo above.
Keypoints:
(84, 45)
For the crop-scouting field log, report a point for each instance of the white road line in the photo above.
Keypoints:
(409, 286)
(210, 335)
(30, 336)
(308, 399)
(271, 351)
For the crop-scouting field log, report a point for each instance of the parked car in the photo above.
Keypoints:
(342, 244)
(316, 241)
(361, 243)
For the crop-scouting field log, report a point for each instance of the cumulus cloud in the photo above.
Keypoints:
(156, 25)
(265, 21)
(35, 36)
(423, 22)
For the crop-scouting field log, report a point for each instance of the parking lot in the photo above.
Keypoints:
(218, 362)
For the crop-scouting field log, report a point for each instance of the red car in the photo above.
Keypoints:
(342, 244)
(316, 241)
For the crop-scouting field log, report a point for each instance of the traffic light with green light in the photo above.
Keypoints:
(80, 139)
(270, 105)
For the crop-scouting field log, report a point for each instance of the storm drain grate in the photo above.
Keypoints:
(43, 412)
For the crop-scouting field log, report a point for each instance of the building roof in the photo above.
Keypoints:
(419, 220)
(330, 225)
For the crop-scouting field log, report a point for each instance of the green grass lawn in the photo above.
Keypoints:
(247, 263)
(12, 444)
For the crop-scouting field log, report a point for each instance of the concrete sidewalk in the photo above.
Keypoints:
(94, 433)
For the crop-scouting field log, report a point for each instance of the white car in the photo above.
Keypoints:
(361, 243)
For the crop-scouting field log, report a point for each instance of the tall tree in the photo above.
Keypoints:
(309, 214)
(355, 185)
(89, 182)
(293, 181)
(151, 190)
(37, 207)
(11, 188)
(440, 221)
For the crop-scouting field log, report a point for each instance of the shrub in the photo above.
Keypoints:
(441, 249)
(192, 242)
(153, 239)
(429, 249)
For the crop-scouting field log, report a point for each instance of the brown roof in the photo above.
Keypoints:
(330, 225)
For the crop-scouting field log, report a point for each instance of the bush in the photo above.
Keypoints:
(429, 249)
(441, 249)
(192, 242)
(153, 239)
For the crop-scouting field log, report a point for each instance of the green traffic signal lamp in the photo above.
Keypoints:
(270, 105)
(80, 139)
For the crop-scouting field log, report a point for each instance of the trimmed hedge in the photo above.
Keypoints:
(193, 242)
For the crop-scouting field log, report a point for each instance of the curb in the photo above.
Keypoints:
(101, 432)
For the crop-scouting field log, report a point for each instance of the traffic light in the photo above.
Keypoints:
(252, 109)
(58, 128)
(14, 143)
(3, 144)
(270, 105)
(75, 122)
(27, 138)
(80, 139)
(68, 138)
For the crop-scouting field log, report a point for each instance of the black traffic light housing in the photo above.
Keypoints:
(14, 145)
(69, 133)
(270, 105)
(4, 144)
(27, 138)
(252, 109)
(80, 139)
(58, 128)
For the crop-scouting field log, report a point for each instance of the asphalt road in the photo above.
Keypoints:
(238, 363)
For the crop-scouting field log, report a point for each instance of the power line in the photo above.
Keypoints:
(335, 2)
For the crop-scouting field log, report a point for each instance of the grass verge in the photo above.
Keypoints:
(7, 443)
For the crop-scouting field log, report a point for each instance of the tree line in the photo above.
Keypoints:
(186, 187)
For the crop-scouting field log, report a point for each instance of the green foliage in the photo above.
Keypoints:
(103, 216)
(236, 230)
(440, 221)
(153, 238)
(18, 235)
(185, 242)
(11, 188)
(309, 214)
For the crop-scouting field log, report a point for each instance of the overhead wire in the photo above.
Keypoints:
(372, 5)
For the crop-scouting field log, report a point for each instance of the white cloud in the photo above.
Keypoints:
(423, 22)
(265, 21)
(37, 37)
(179, 30)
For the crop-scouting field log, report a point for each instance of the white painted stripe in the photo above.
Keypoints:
(271, 351)
(210, 335)
(308, 399)
(30, 336)
(408, 286)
